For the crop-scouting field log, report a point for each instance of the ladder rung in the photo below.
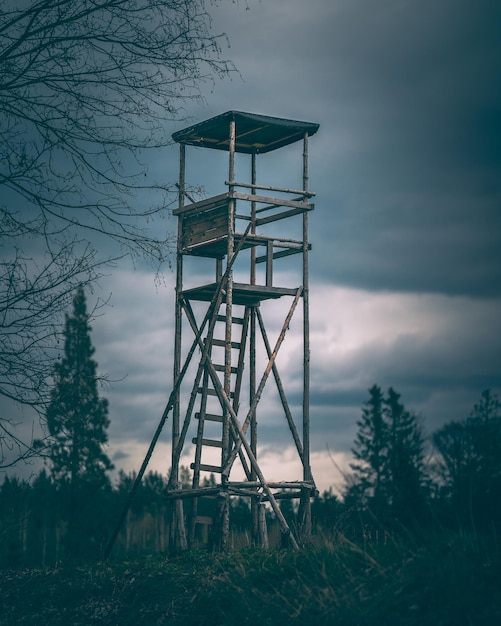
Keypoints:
(210, 417)
(208, 468)
(221, 368)
(213, 443)
(204, 519)
(222, 343)
(213, 392)
(234, 320)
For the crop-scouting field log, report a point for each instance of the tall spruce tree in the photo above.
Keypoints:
(77, 419)
(388, 476)
(370, 449)
(406, 465)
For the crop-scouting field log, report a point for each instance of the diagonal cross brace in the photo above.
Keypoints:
(278, 381)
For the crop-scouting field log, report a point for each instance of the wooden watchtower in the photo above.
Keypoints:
(244, 230)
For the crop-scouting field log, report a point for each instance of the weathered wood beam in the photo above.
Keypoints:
(299, 204)
(308, 194)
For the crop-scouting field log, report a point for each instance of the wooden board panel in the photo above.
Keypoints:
(205, 226)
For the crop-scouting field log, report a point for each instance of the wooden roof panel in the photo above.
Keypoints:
(254, 133)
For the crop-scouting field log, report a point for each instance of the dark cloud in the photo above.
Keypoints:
(415, 183)
(406, 164)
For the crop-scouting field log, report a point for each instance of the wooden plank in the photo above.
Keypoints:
(278, 216)
(204, 238)
(221, 343)
(207, 228)
(275, 205)
(183, 494)
(308, 194)
(279, 255)
(278, 241)
(217, 216)
(295, 484)
(252, 240)
(222, 368)
(208, 468)
(208, 203)
(234, 320)
(210, 417)
(209, 222)
(283, 495)
(211, 443)
(272, 201)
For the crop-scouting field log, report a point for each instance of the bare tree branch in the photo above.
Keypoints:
(86, 88)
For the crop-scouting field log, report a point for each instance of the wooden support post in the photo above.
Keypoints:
(263, 528)
(220, 532)
(177, 539)
(253, 220)
(305, 505)
(257, 518)
(222, 525)
(255, 510)
(269, 264)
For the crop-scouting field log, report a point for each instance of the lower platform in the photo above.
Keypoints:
(283, 490)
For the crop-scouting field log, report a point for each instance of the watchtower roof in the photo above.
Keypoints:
(254, 133)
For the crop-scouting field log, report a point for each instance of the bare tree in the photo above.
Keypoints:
(86, 87)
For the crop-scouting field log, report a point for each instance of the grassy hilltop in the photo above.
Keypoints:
(454, 580)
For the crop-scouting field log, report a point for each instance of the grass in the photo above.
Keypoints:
(449, 580)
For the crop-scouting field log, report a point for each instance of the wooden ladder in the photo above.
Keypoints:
(213, 420)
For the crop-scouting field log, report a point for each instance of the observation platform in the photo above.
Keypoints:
(243, 293)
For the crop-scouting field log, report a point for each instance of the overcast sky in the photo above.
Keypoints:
(406, 262)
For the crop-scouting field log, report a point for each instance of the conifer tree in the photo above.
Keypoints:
(77, 419)
(389, 471)
(370, 448)
(484, 423)
(406, 467)
(469, 463)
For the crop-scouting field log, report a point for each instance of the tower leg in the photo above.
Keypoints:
(219, 536)
(255, 519)
(304, 516)
(263, 528)
(177, 538)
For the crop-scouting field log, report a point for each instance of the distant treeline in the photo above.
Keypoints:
(400, 481)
